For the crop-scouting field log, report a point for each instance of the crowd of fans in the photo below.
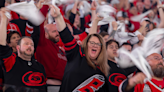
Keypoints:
(76, 47)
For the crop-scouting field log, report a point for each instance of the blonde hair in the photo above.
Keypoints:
(102, 57)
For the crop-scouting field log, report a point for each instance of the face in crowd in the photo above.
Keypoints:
(157, 65)
(106, 38)
(140, 7)
(26, 47)
(52, 33)
(112, 48)
(13, 38)
(77, 21)
(147, 28)
(94, 47)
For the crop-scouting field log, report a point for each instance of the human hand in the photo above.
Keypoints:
(140, 37)
(159, 6)
(39, 4)
(93, 5)
(3, 13)
(54, 11)
(98, 17)
(137, 79)
(114, 25)
(76, 37)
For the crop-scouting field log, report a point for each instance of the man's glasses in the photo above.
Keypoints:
(158, 59)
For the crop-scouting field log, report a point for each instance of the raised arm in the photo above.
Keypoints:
(6, 55)
(126, 4)
(93, 29)
(74, 9)
(70, 43)
(128, 84)
(60, 23)
(93, 9)
(161, 14)
(73, 12)
(3, 27)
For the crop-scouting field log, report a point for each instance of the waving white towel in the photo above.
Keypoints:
(138, 18)
(28, 10)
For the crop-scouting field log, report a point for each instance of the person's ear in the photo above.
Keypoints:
(9, 44)
(46, 35)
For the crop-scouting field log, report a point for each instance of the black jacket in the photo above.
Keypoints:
(19, 75)
(78, 75)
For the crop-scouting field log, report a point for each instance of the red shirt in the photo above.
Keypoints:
(154, 85)
(49, 55)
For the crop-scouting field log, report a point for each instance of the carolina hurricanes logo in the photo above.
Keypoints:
(92, 84)
(33, 79)
(116, 78)
(12, 27)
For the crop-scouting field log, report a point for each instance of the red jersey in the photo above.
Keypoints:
(153, 86)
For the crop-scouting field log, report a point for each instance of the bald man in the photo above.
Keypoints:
(51, 56)
(51, 33)
(156, 84)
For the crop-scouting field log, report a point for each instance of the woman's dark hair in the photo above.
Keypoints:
(104, 28)
(127, 44)
(103, 33)
(9, 35)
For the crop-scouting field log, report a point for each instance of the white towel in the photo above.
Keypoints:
(28, 10)
(50, 18)
(153, 42)
(138, 18)
(138, 60)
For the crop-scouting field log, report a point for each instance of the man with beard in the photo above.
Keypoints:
(22, 73)
(137, 84)
(51, 56)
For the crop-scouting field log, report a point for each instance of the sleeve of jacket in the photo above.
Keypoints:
(123, 85)
(7, 58)
(35, 36)
(82, 27)
(71, 46)
(72, 18)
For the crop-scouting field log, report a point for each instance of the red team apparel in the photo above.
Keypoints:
(51, 57)
(150, 86)
(19, 75)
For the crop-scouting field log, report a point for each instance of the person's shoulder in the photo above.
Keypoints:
(37, 63)
(14, 20)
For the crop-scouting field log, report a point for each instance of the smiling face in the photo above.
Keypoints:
(94, 47)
